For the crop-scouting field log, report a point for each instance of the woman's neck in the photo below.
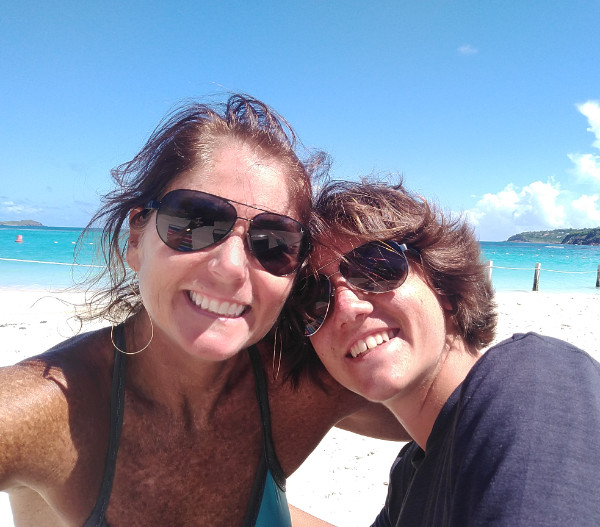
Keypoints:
(418, 411)
(171, 377)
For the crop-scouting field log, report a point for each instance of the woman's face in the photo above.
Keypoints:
(241, 299)
(383, 346)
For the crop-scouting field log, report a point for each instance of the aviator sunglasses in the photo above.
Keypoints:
(190, 220)
(375, 267)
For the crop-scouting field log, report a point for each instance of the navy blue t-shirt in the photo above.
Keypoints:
(517, 444)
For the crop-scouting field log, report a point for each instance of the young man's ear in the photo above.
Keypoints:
(448, 303)
(135, 234)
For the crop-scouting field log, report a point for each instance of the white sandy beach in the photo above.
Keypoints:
(344, 480)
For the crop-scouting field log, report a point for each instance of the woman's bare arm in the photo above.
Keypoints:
(304, 519)
(374, 420)
(32, 421)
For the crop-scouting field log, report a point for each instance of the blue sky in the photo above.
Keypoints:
(491, 108)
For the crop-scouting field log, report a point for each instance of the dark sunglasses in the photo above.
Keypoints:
(375, 267)
(190, 220)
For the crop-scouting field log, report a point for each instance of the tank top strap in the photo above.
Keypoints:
(117, 397)
(268, 505)
(265, 415)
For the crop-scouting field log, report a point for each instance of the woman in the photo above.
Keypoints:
(169, 417)
(399, 311)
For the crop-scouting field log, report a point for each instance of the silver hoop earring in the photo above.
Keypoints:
(276, 374)
(112, 328)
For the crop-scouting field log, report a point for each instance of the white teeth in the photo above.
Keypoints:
(371, 342)
(228, 309)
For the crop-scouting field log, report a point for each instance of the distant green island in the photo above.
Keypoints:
(560, 236)
(21, 223)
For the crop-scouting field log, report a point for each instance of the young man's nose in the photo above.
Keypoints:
(349, 305)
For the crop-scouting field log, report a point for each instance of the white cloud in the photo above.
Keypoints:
(467, 49)
(12, 210)
(586, 211)
(537, 206)
(591, 110)
(587, 166)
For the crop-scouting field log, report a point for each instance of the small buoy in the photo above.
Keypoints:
(19, 238)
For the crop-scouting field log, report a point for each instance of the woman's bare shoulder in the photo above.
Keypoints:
(62, 366)
(44, 399)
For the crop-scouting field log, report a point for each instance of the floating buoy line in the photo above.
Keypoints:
(50, 263)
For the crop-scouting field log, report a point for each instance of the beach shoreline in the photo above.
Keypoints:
(344, 481)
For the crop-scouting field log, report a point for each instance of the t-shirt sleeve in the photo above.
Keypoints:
(526, 447)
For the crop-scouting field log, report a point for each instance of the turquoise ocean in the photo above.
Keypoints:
(564, 268)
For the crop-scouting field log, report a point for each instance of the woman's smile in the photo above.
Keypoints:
(221, 308)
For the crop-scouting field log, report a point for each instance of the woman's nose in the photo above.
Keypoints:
(229, 258)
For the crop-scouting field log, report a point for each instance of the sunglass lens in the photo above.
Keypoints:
(313, 295)
(278, 242)
(376, 267)
(189, 220)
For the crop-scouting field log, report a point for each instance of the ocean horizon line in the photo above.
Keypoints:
(58, 257)
(6, 225)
